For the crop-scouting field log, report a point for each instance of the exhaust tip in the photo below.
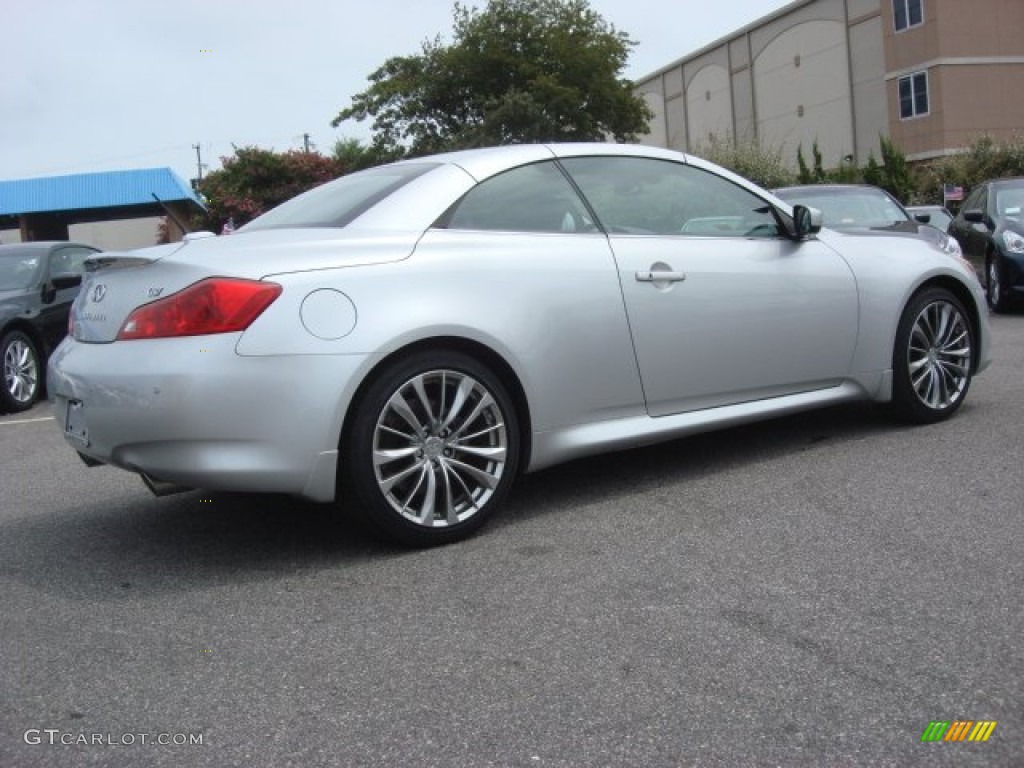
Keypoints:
(162, 488)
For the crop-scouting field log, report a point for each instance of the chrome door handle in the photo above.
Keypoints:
(660, 277)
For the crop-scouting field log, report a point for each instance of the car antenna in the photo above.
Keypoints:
(170, 213)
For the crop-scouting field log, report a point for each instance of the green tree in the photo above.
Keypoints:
(873, 173)
(255, 180)
(355, 156)
(816, 175)
(516, 71)
(896, 177)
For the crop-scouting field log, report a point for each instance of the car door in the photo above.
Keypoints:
(722, 308)
(525, 265)
(973, 236)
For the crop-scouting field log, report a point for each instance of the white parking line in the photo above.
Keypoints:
(26, 421)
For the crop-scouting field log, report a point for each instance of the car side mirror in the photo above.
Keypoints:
(806, 221)
(974, 215)
(923, 218)
(65, 280)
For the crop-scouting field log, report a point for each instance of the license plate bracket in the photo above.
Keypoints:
(75, 428)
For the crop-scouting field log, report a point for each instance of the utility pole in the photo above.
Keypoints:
(305, 141)
(199, 161)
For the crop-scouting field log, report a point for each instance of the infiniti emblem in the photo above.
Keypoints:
(98, 293)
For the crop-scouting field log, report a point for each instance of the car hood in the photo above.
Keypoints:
(12, 304)
(896, 227)
(118, 283)
(12, 293)
(1011, 223)
(899, 228)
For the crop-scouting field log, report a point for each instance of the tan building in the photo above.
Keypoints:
(931, 74)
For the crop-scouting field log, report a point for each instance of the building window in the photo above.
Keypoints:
(907, 13)
(914, 95)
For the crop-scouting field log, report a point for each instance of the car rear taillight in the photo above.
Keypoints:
(214, 305)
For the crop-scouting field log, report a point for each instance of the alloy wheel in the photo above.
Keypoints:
(440, 447)
(939, 355)
(21, 371)
(994, 289)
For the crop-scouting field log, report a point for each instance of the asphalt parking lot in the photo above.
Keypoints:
(812, 591)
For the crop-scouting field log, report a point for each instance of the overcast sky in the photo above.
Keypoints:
(95, 85)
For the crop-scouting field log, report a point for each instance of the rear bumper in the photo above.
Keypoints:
(194, 413)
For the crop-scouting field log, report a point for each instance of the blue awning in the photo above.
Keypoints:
(83, 191)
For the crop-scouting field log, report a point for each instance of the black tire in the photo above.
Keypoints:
(438, 482)
(994, 293)
(22, 371)
(932, 357)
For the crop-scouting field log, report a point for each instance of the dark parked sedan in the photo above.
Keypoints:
(990, 229)
(38, 282)
(864, 208)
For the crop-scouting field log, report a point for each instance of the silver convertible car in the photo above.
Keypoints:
(407, 339)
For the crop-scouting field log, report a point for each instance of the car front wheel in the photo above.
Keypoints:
(932, 357)
(21, 369)
(432, 449)
(994, 286)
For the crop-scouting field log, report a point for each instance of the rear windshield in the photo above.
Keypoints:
(338, 202)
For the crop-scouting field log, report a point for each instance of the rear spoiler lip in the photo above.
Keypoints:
(107, 261)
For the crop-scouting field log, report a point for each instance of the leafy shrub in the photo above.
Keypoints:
(749, 158)
(985, 159)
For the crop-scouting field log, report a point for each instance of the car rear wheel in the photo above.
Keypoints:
(994, 286)
(21, 369)
(432, 449)
(932, 357)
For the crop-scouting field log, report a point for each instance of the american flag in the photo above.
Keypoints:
(952, 192)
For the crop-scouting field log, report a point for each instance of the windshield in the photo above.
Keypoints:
(338, 202)
(17, 269)
(1010, 201)
(850, 207)
(939, 219)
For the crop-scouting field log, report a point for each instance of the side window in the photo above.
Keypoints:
(983, 199)
(973, 201)
(531, 198)
(634, 195)
(69, 260)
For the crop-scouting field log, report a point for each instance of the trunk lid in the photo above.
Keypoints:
(115, 284)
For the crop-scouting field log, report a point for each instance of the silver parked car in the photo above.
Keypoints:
(937, 216)
(407, 339)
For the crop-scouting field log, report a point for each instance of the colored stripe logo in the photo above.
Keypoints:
(958, 730)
